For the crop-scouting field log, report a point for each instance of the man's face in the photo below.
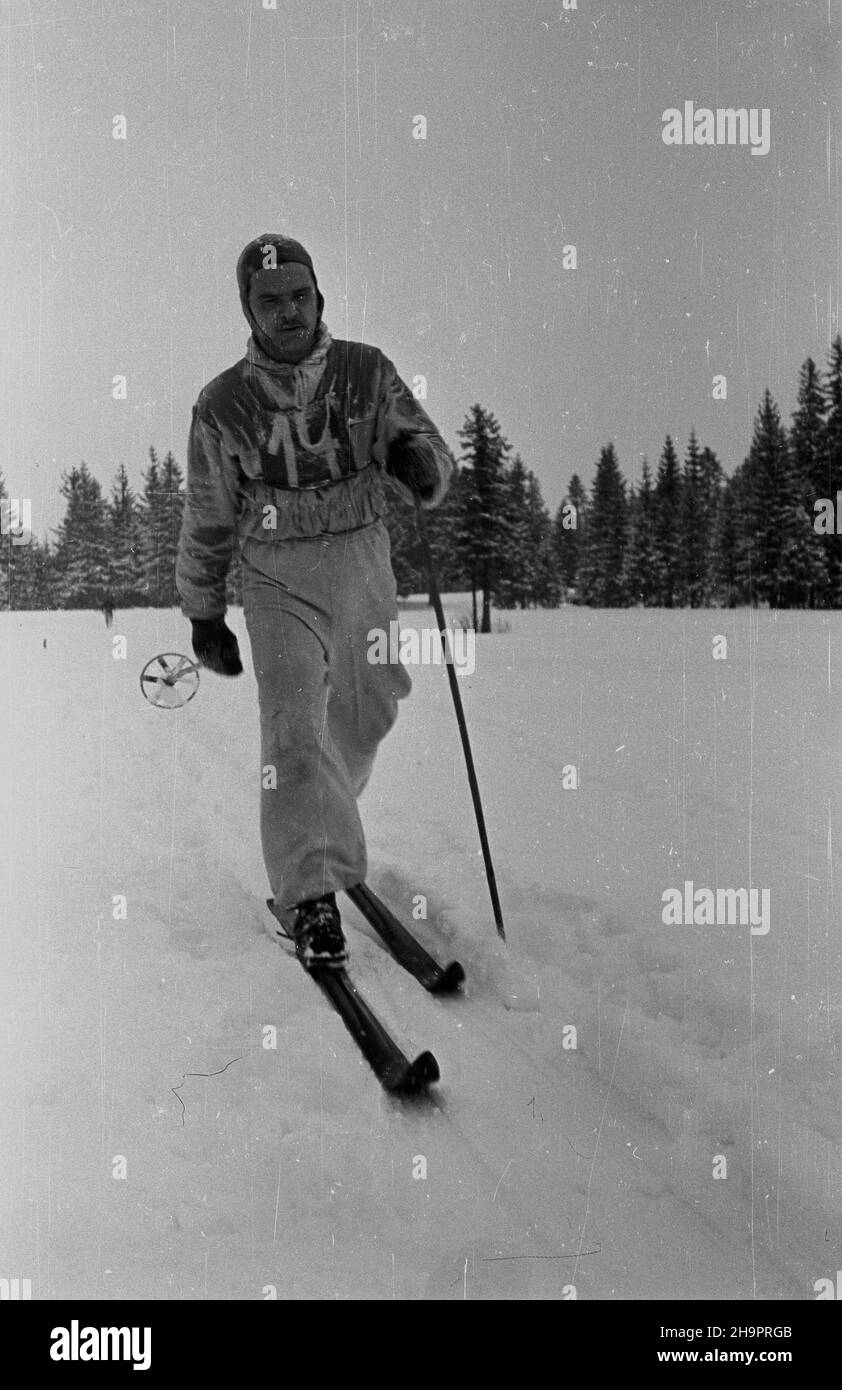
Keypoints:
(284, 304)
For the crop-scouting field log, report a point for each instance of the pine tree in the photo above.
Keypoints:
(81, 546)
(639, 574)
(601, 567)
(568, 533)
(799, 572)
(172, 485)
(832, 471)
(808, 447)
(515, 579)
(711, 496)
(407, 553)
(151, 509)
(765, 507)
(667, 516)
(808, 435)
(125, 543)
(545, 584)
(797, 566)
(750, 543)
(810, 458)
(482, 526)
(31, 580)
(441, 525)
(162, 508)
(693, 535)
(6, 548)
(724, 569)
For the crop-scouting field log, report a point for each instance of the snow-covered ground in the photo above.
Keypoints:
(137, 1045)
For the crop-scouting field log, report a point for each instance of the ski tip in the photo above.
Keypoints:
(415, 1077)
(426, 1068)
(451, 978)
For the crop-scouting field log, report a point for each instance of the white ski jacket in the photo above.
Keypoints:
(280, 451)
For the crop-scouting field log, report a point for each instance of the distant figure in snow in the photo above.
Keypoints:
(108, 609)
(287, 455)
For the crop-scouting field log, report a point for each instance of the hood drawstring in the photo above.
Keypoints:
(294, 377)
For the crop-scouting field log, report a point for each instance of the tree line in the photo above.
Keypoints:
(122, 546)
(689, 536)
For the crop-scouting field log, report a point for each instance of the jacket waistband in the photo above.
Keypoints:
(269, 514)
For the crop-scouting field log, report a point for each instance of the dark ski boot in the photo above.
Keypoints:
(317, 932)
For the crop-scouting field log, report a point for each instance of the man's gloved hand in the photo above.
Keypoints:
(409, 461)
(216, 647)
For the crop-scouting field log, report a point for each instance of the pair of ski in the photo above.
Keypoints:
(396, 1073)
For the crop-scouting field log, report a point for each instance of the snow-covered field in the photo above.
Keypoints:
(136, 1046)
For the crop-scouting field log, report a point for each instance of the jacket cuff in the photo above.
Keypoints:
(433, 499)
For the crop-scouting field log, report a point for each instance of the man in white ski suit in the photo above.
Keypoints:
(287, 457)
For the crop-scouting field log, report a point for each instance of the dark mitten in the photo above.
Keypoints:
(410, 461)
(216, 646)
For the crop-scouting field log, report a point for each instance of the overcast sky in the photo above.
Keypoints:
(544, 129)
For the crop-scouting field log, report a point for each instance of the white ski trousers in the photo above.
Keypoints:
(324, 707)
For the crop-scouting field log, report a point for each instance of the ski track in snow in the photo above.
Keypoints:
(545, 1167)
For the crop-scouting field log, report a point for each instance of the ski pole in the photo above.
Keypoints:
(460, 718)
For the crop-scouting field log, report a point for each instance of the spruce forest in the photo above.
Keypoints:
(687, 535)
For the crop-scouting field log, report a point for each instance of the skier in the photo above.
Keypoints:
(287, 456)
(108, 609)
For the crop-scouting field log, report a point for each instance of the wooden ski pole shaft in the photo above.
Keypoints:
(460, 718)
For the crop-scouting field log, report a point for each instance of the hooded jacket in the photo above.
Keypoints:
(278, 452)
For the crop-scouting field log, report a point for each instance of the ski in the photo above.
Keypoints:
(408, 952)
(395, 1072)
